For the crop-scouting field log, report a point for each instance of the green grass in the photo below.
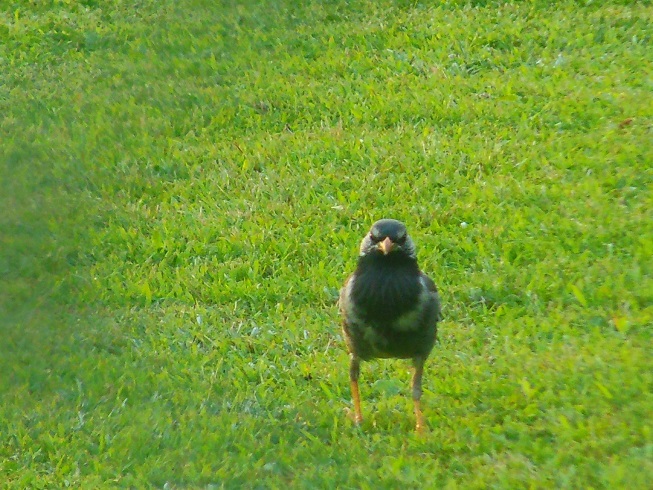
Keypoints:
(183, 186)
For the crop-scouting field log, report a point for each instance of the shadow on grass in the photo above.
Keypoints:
(43, 239)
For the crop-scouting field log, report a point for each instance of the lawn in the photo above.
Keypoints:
(183, 187)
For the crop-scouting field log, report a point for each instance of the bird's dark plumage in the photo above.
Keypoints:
(389, 307)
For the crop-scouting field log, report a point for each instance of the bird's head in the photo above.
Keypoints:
(388, 236)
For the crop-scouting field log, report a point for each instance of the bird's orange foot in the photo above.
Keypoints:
(358, 416)
(420, 425)
(354, 417)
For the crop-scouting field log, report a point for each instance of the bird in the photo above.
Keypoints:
(389, 308)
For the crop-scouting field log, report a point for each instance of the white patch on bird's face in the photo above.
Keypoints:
(367, 245)
(409, 247)
(370, 243)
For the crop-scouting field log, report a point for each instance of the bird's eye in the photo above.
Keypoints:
(401, 240)
(374, 238)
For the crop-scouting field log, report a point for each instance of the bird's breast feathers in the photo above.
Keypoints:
(412, 319)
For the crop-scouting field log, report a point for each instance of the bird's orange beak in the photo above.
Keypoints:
(386, 246)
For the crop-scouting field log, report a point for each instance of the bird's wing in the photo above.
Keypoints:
(433, 289)
(428, 283)
(348, 313)
(344, 303)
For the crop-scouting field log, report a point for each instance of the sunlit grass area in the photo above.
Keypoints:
(183, 186)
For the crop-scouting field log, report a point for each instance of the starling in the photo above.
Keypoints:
(390, 308)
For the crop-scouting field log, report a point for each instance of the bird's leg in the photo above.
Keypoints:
(354, 373)
(418, 363)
